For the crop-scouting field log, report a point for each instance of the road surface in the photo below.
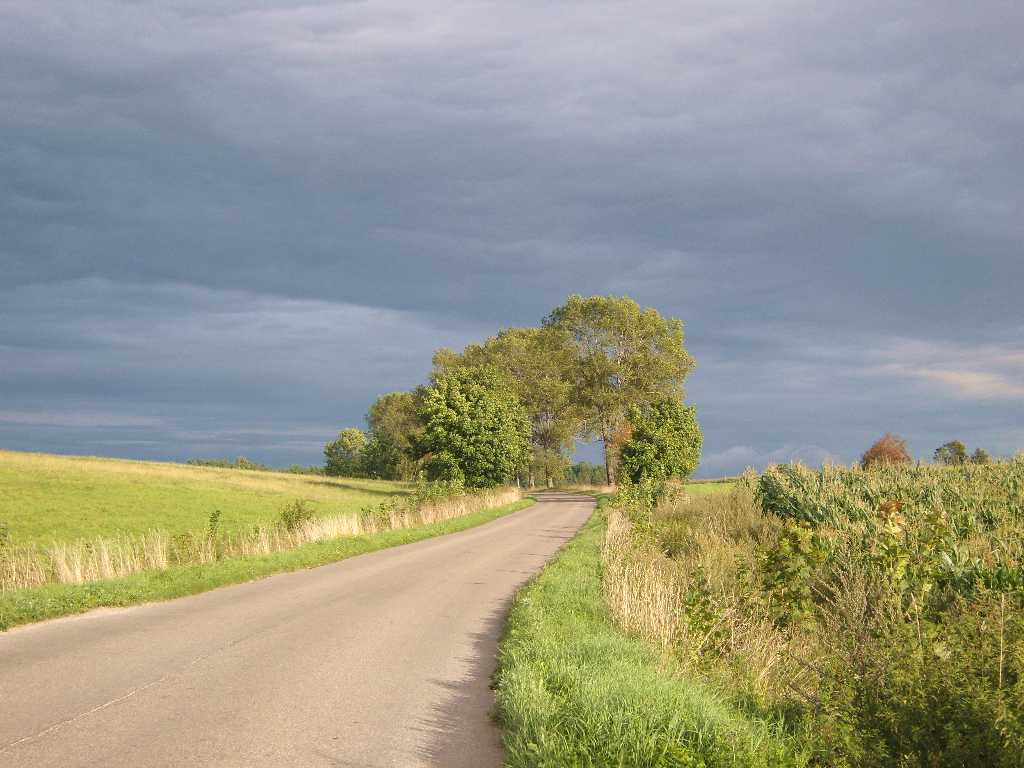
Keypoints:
(380, 660)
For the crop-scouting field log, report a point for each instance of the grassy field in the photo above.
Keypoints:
(574, 690)
(28, 605)
(45, 498)
(704, 487)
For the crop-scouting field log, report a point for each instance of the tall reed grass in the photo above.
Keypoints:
(85, 560)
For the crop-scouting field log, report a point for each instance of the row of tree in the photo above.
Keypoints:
(597, 367)
(892, 449)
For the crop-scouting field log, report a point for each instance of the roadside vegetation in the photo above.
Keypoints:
(80, 561)
(575, 690)
(878, 613)
(28, 605)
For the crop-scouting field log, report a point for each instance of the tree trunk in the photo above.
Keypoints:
(609, 469)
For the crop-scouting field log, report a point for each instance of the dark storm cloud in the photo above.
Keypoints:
(205, 203)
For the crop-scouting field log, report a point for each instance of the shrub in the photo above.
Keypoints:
(295, 514)
(888, 449)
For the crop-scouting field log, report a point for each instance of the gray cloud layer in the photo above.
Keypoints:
(225, 226)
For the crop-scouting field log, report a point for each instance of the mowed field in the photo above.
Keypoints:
(46, 498)
(704, 487)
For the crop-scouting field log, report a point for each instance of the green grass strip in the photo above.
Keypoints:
(574, 691)
(28, 605)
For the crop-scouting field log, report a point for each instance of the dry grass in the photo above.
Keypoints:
(93, 559)
(693, 604)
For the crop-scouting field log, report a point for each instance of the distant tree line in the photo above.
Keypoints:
(892, 449)
(241, 462)
(510, 408)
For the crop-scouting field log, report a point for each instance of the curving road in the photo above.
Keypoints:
(380, 660)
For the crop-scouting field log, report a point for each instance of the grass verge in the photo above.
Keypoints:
(573, 691)
(29, 605)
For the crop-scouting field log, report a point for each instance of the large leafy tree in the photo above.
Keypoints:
(666, 442)
(475, 430)
(622, 355)
(980, 456)
(953, 452)
(394, 428)
(536, 365)
(343, 455)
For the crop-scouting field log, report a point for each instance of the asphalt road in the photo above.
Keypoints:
(381, 660)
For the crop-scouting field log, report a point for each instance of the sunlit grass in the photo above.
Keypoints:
(46, 498)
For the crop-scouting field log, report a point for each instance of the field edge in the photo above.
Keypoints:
(54, 601)
(572, 689)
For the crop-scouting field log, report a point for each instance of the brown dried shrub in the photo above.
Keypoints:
(888, 449)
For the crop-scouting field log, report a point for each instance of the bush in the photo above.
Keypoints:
(888, 449)
(295, 514)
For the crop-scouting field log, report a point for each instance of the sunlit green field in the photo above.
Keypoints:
(702, 487)
(45, 497)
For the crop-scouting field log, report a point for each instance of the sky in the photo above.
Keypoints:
(227, 225)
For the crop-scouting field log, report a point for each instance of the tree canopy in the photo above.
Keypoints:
(953, 452)
(622, 356)
(666, 442)
(534, 364)
(394, 429)
(475, 431)
(344, 453)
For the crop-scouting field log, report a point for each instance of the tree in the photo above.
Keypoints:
(343, 454)
(888, 449)
(475, 430)
(535, 364)
(622, 356)
(394, 428)
(980, 456)
(953, 452)
(666, 442)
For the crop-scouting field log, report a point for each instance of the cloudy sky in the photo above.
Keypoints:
(226, 225)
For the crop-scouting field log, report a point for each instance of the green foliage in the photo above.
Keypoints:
(295, 513)
(536, 365)
(240, 462)
(980, 456)
(622, 356)
(573, 691)
(895, 600)
(395, 428)
(585, 473)
(953, 452)
(475, 431)
(666, 442)
(382, 458)
(972, 495)
(787, 569)
(927, 694)
(343, 455)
